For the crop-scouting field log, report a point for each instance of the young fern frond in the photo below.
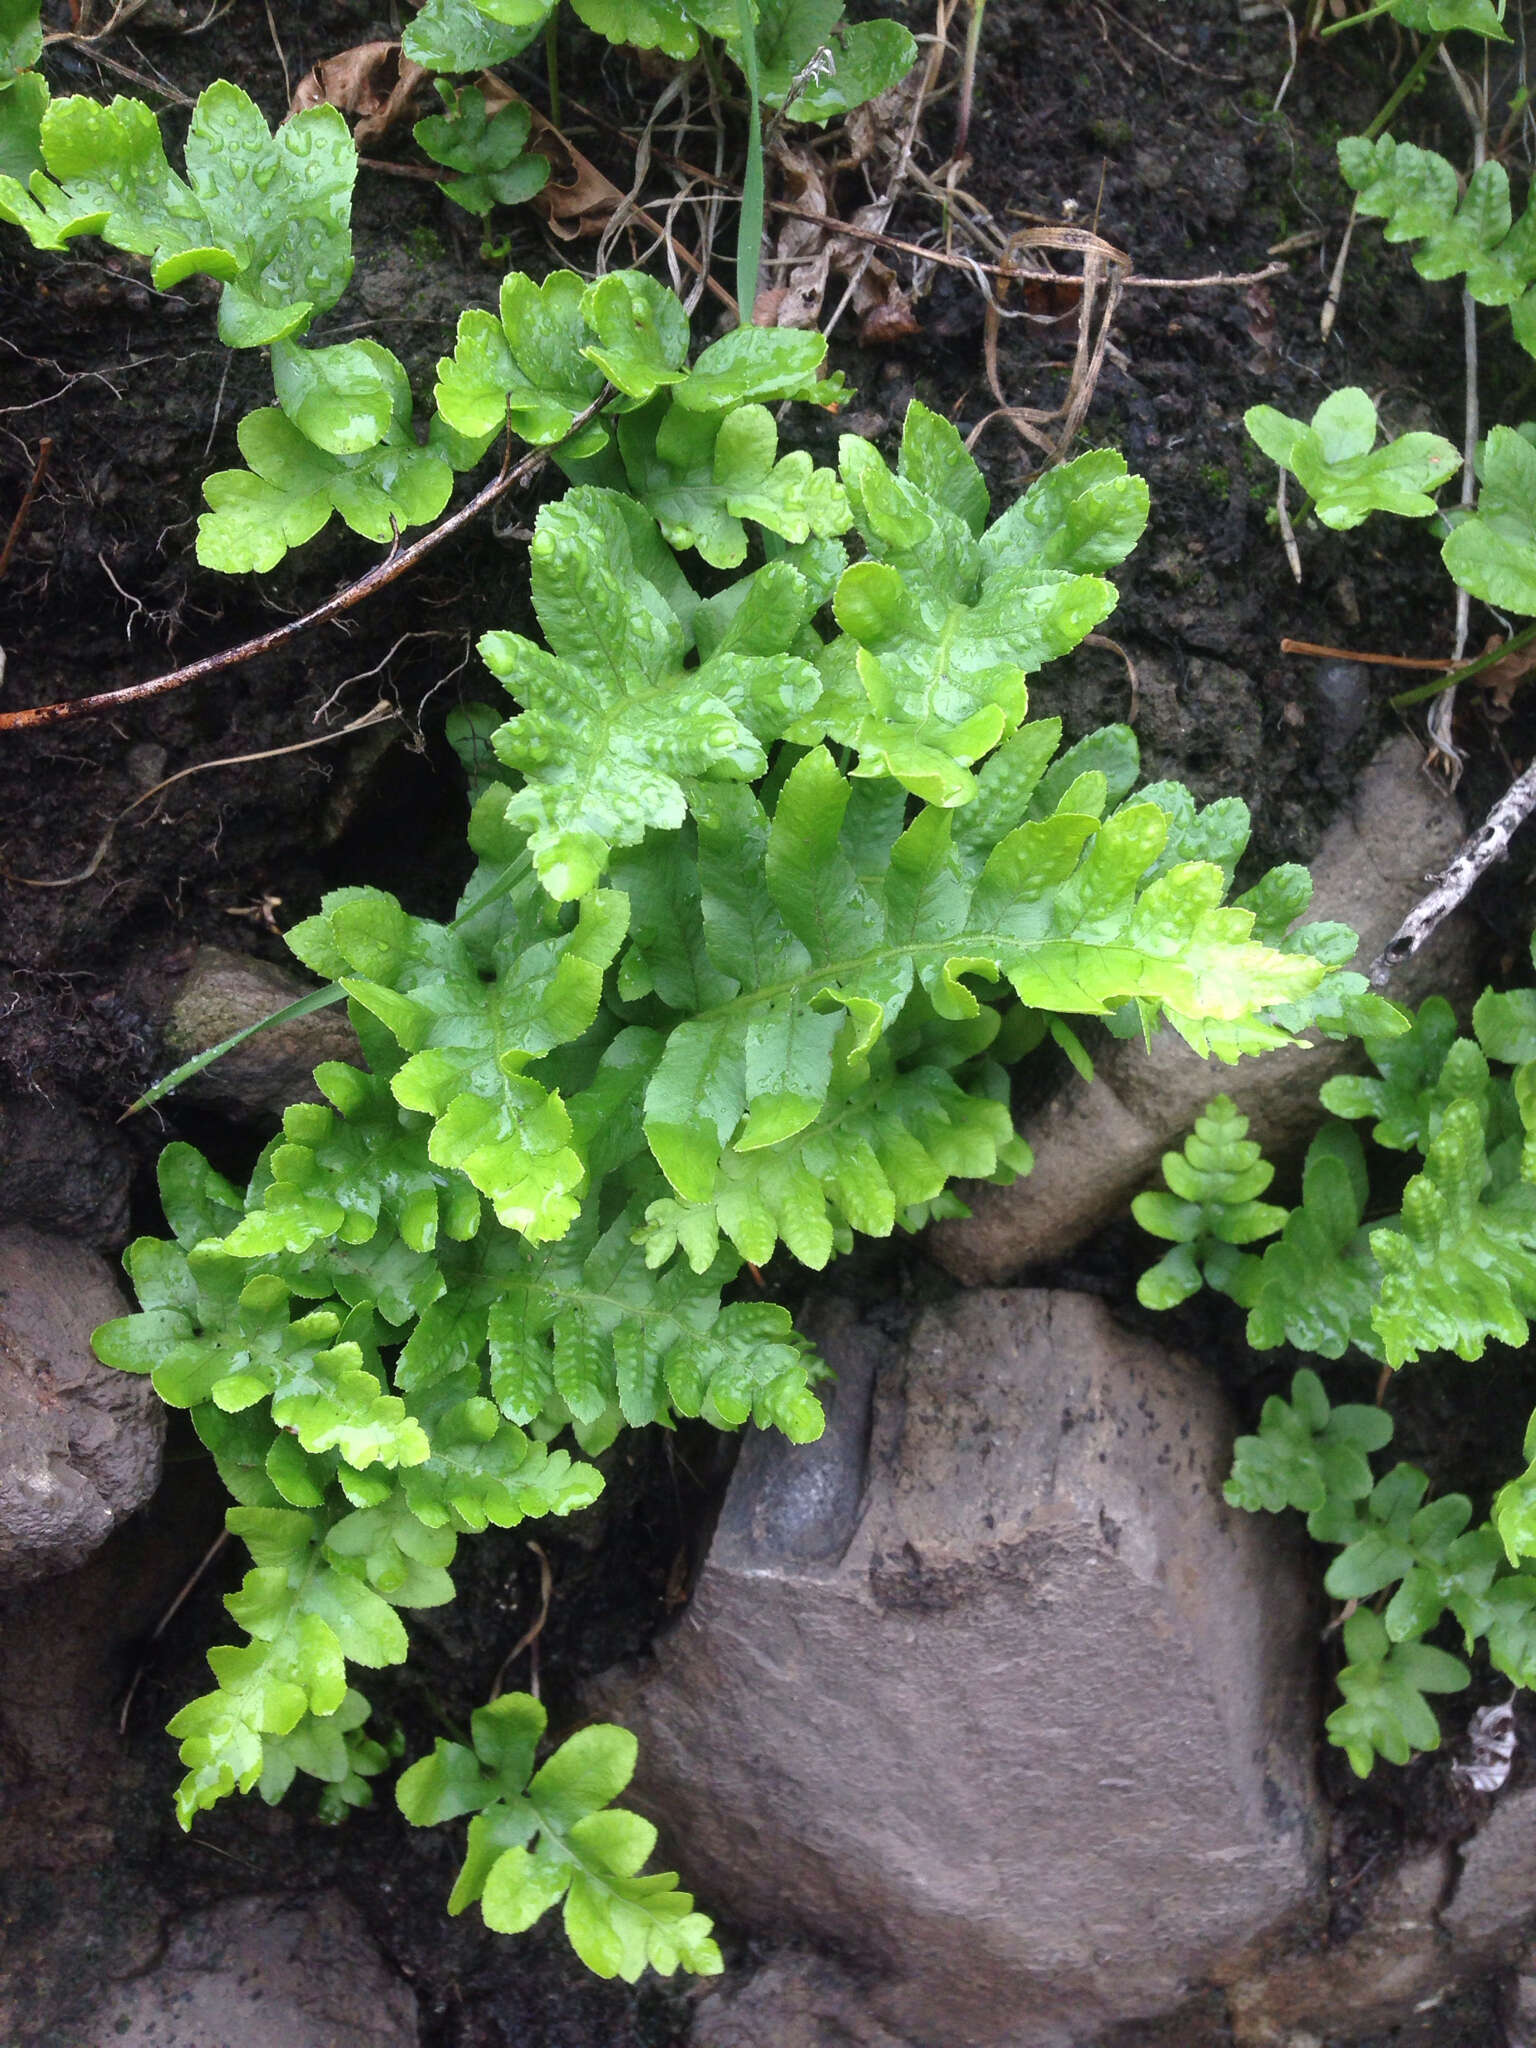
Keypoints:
(1212, 1207)
(540, 1838)
(1454, 1269)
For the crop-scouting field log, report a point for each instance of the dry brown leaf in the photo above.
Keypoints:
(1502, 678)
(808, 253)
(578, 200)
(374, 84)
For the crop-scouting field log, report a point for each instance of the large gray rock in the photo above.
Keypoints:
(1495, 1900)
(1398, 1963)
(1096, 1143)
(1028, 1737)
(263, 1973)
(226, 992)
(79, 1443)
(792, 2001)
(59, 1171)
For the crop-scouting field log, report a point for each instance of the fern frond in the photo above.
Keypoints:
(811, 964)
(1212, 1206)
(540, 1837)
(615, 724)
(1461, 1269)
(942, 621)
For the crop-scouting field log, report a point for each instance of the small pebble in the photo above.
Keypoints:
(1343, 693)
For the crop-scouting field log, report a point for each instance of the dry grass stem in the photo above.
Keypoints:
(381, 714)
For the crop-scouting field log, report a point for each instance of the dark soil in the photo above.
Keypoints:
(1156, 125)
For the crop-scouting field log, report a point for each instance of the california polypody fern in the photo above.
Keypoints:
(773, 880)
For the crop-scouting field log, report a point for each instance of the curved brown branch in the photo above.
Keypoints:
(394, 565)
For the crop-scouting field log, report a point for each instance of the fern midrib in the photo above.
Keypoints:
(958, 945)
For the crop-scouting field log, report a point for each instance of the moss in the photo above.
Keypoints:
(1111, 134)
(425, 246)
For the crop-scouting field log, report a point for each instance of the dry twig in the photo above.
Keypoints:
(39, 471)
(381, 714)
(529, 1639)
(1490, 842)
(394, 565)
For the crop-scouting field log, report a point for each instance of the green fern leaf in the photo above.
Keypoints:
(1385, 1712)
(1307, 1453)
(472, 1008)
(940, 626)
(583, 1332)
(1489, 553)
(483, 1470)
(1212, 1207)
(1417, 195)
(292, 488)
(614, 722)
(267, 215)
(1440, 17)
(1318, 1284)
(308, 1615)
(340, 1172)
(489, 150)
(333, 1749)
(701, 474)
(210, 1333)
(583, 1850)
(1413, 1085)
(524, 368)
(23, 104)
(460, 35)
(823, 962)
(1337, 463)
(1461, 1269)
(857, 60)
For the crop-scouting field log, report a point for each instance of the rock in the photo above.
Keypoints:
(77, 1904)
(224, 992)
(1495, 1899)
(1397, 1964)
(1031, 1733)
(60, 1172)
(263, 1973)
(1097, 1142)
(79, 1443)
(1520, 2011)
(792, 2001)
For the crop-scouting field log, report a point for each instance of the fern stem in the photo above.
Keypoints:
(749, 233)
(552, 67)
(1411, 78)
(1421, 691)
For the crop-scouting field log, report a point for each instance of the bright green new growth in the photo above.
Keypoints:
(1453, 1269)
(583, 1850)
(489, 150)
(267, 215)
(1427, 1556)
(1336, 460)
(1473, 235)
(678, 1021)
(1213, 1207)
